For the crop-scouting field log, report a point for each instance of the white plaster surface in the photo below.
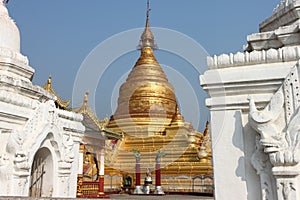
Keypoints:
(30, 124)
(228, 142)
(10, 36)
(252, 160)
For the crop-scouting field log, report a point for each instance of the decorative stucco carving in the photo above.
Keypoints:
(260, 162)
(287, 189)
(35, 122)
(4, 162)
(278, 125)
(259, 158)
(15, 142)
(8, 53)
(45, 117)
(291, 53)
(21, 161)
(68, 149)
(16, 99)
(282, 5)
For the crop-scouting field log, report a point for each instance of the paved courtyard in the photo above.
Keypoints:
(120, 196)
(166, 197)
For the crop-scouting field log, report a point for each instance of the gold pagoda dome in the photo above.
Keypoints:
(150, 122)
(146, 99)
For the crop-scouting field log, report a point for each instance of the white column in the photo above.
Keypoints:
(102, 162)
(228, 155)
(80, 161)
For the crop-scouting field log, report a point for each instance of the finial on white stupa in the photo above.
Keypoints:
(9, 32)
(3, 2)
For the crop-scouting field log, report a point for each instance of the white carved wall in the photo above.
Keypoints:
(57, 130)
(29, 121)
(248, 164)
(278, 138)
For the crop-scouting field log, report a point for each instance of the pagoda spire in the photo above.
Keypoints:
(147, 38)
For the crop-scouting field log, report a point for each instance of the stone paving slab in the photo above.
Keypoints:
(165, 197)
(121, 196)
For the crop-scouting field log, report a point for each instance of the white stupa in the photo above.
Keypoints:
(14, 64)
(39, 146)
(9, 32)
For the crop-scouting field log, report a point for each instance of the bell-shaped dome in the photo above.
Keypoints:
(9, 32)
(147, 101)
(146, 92)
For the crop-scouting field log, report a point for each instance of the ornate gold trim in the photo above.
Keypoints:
(63, 104)
(101, 124)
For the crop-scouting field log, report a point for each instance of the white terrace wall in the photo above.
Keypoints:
(242, 167)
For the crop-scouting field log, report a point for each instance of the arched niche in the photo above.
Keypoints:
(41, 178)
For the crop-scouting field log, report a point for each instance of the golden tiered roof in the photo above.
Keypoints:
(90, 118)
(91, 121)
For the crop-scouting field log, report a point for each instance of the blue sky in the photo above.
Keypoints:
(57, 36)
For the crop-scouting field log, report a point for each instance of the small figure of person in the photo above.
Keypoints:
(148, 178)
(127, 181)
(148, 182)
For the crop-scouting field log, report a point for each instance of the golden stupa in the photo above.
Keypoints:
(149, 118)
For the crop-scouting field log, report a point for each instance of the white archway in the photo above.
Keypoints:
(41, 179)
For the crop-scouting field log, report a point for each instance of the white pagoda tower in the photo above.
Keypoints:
(39, 144)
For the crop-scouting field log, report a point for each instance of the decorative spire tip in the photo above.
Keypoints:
(148, 9)
(147, 38)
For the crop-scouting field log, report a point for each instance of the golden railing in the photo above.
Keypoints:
(87, 189)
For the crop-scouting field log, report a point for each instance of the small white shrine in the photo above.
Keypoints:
(39, 146)
(255, 121)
